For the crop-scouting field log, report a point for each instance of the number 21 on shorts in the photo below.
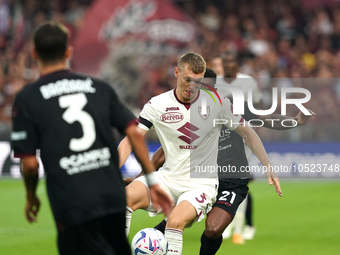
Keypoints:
(226, 194)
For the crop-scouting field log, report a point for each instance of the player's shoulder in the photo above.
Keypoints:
(243, 75)
(26, 91)
(249, 79)
(225, 99)
(95, 81)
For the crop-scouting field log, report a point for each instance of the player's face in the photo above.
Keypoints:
(218, 66)
(230, 66)
(208, 81)
(187, 85)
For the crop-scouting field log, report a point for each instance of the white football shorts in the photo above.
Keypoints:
(201, 195)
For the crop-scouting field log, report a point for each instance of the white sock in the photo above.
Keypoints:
(240, 217)
(227, 232)
(238, 223)
(175, 240)
(128, 216)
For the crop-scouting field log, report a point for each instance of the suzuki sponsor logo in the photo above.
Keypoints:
(172, 117)
(188, 137)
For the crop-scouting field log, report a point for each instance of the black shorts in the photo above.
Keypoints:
(231, 194)
(102, 236)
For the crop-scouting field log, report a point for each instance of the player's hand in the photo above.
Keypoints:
(161, 199)
(302, 119)
(127, 181)
(32, 208)
(273, 180)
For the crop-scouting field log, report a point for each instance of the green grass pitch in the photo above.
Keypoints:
(305, 221)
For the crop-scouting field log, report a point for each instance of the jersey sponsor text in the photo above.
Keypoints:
(172, 109)
(86, 161)
(172, 117)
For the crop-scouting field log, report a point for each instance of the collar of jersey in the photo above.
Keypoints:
(56, 72)
(190, 103)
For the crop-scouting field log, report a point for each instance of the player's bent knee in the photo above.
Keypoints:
(181, 216)
(137, 196)
(213, 230)
(176, 223)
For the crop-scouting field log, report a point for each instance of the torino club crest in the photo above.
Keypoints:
(204, 113)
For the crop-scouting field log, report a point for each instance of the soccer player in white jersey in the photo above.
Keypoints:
(183, 119)
(228, 75)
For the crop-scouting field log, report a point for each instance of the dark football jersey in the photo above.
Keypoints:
(231, 154)
(69, 117)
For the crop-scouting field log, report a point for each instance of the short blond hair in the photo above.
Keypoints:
(195, 62)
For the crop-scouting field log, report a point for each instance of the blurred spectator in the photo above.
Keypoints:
(281, 43)
(4, 17)
(17, 68)
(211, 18)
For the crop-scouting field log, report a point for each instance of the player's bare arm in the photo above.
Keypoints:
(158, 159)
(273, 121)
(136, 142)
(29, 167)
(255, 144)
(302, 119)
(124, 147)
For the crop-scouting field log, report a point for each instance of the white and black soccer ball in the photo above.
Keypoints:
(149, 241)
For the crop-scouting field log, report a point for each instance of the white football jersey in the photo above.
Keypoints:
(187, 133)
(242, 81)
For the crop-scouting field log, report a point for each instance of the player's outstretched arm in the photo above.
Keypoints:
(255, 144)
(29, 168)
(158, 159)
(302, 119)
(273, 121)
(124, 147)
(158, 196)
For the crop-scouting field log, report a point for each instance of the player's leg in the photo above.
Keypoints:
(161, 226)
(217, 221)
(182, 215)
(249, 229)
(137, 197)
(102, 236)
(192, 205)
(227, 201)
(238, 223)
(249, 210)
(114, 229)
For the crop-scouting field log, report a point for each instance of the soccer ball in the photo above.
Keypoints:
(149, 241)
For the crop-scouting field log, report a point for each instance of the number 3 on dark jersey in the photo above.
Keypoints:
(74, 112)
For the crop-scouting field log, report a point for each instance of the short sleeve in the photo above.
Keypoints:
(227, 113)
(147, 116)
(24, 136)
(121, 117)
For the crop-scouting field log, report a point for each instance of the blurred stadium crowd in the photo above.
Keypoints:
(274, 40)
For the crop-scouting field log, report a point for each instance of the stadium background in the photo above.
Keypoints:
(135, 45)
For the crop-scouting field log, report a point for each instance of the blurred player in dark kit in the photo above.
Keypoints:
(69, 117)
